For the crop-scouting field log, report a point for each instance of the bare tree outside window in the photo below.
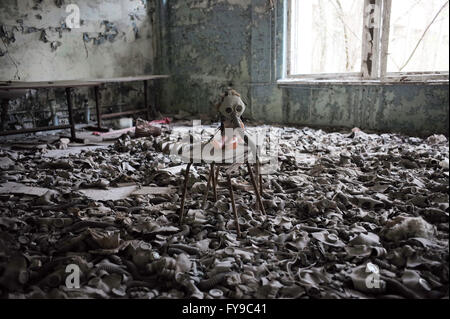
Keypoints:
(368, 39)
(419, 40)
(326, 36)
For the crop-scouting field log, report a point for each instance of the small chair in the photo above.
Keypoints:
(215, 164)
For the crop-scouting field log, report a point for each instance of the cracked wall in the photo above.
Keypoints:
(115, 39)
(209, 49)
(410, 109)
(211, 44)
(205, 45)
(36, 24)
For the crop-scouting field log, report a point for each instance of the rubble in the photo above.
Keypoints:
(342, 211)
(145, 129)
(18, 188)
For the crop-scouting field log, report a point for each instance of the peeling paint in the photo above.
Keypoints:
(121, 52)
(244, 4)
(208, 46)
(43, 48)
(239, 42)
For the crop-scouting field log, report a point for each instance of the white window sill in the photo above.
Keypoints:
(440, 79)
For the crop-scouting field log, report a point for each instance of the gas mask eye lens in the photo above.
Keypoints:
(239, 108)
(229, 110)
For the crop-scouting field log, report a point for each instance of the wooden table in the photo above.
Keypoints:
(67, 85)
(143, 78)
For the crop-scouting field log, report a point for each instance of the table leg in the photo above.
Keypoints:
(255, 186)
(73, 134)
(233, 205)
(97, 107)
(147, 107)
(4, 116)
(156, 89)
(183, 199)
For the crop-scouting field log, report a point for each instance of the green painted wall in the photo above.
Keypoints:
(210, 44)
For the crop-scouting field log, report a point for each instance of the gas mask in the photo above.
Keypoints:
(231, 109)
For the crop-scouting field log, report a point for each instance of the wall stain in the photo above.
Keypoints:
(216, 42)
(35, 38)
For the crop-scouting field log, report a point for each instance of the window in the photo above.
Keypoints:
(419, 36)
(373, 40)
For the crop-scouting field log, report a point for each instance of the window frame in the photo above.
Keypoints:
(374, 54)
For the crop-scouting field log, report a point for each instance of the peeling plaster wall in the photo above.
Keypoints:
(210, 44)
(115, 39)
(208, 49)
(410, 109)
(123, 55)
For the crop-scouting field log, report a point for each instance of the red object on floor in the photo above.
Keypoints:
(165, 120)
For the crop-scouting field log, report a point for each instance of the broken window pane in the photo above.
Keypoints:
(326, 36)
(419, 36)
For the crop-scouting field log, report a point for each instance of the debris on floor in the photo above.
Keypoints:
(125, 192)
(17, 188)
(145, 129)
(348, 216)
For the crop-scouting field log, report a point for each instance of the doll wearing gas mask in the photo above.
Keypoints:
(230, 110)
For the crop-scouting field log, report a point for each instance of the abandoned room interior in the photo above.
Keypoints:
(224, 149)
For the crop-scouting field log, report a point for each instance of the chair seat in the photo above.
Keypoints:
(207, 154)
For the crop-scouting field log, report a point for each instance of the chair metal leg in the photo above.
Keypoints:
(261, 185)
(257, 181)
(183, 199)
(214, 180)
(255, 186)
(260, 179)
(217, 175)
(233, 204)
(211, 173)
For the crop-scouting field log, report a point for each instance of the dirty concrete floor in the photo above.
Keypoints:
(349, 215)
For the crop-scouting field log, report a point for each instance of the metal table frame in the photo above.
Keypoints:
(69, 86)
(144, 78)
